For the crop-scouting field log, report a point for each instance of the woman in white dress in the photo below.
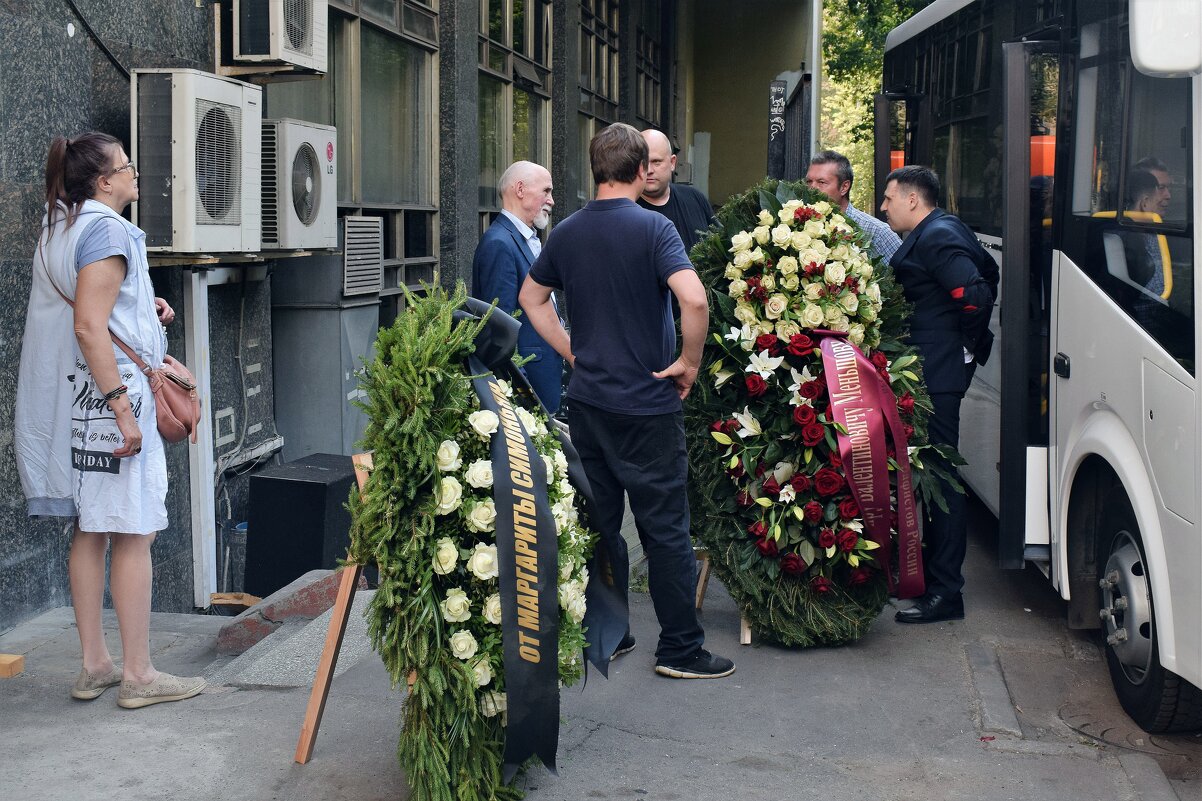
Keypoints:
(86, 439)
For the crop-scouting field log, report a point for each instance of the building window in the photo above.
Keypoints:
(380, 94)
(648, 59)
(514, 92)
(599, 58)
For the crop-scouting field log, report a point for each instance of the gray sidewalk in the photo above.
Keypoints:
(1006, 705)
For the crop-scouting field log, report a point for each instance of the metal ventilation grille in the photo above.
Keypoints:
(362, 255)
(271, 189)
(218, 163)
(298, 25)
(306, 184)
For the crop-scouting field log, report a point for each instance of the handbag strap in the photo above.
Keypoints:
(126, 349)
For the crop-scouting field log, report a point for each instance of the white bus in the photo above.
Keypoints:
(1067, 134)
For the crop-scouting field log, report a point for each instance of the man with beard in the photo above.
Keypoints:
(685, 206)
(503, 258)
(831, 174)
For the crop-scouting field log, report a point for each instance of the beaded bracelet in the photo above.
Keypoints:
(116, 393)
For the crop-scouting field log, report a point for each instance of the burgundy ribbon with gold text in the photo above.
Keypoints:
(863, 403)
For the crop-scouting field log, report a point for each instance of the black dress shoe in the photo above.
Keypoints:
(933, 609)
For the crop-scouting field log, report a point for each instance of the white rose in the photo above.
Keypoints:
(867, 312)
(737, 288)
(740, 242)
(788, 212)
(743, 259)
(800, 241)
(775, 306)
(505, 388)
(823, 207)
(483, 516)
(814, 290)
(787, 265)
(482, 671)
(463, 645)
(484, 422)
(561, 464)
(835, 272)
(565, 570)
(762, 235)
(757, 255)
(566, 489)
(790, 282)
(874, 292)
(841, 252)
(446, 556)
(762, 328)
(814, 228)
(765, 217)
(811, 255)
(856, 334)
(479, 474)
(564, 512)
(534, 427)
(849, 302)
(768, 282)
(483, 562)
(576, 609)
(841, 324)
(744, 313)
(448, 456)
(569, 590)
(782, 235)
(812, 316)
(787, 328)
(832, 314)
(456, 608)
(549, 468)
(733, 271)
(866, 270)
(448, 495)
(492, 609)
(492, 704)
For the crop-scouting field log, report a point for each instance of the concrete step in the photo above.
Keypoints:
(288, 656)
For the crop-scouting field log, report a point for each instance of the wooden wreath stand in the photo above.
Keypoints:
(351, 574)
(703, 580)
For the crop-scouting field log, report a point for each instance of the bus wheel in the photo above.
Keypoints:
(1156, 699)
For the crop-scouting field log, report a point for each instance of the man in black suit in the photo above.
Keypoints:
(503, 258)
(952, 283)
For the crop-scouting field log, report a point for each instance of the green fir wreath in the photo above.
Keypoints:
(426, 519)
(768, 492)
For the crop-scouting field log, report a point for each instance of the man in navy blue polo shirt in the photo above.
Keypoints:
(618, 266)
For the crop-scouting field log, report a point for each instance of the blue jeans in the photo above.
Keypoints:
(644, 457)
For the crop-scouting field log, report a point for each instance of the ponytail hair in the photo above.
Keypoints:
(73, 166)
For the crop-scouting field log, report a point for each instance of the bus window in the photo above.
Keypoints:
(1157, 153)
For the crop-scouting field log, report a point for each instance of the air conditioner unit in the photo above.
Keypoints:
(300, 185)
(281, 31)
(197, 141)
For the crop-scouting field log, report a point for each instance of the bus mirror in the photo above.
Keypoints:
(1166, 37)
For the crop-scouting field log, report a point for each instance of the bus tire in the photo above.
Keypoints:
(1155, 698)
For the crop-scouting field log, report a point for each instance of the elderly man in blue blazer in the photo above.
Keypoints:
(952, 283)
(503, 258)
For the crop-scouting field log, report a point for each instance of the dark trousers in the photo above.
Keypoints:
(644, 456)
(945, 534)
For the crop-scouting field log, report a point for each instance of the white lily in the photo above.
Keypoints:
(722, 377)
(799, 378)
(764, 364)
(750, 426)
(787, 494)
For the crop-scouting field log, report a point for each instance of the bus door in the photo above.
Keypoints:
(1032, 83)
(895, 120)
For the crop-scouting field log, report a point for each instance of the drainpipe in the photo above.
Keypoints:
(200, 456)
(816, 73)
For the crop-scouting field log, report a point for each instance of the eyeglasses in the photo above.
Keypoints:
(133, 170)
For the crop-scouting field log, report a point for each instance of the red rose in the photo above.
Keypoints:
(758, 529)
(756, 386)
(849, 509)
(736, 471)
(768, 342)
(879, 360)
(827, 481)
(743, 498)
(836, 459)
(801, 345)
(847, 540)
(908, 430)
(804, 415)
(801, 483)
(767, 547)
(858, 576)
(731, 426)
(759, 469)
(813, 511)
(717, 425)
(820, 585)
(826, 538)
(906, 403)
(771, 487)
(812, 434)
(793, 564)
(811, 390)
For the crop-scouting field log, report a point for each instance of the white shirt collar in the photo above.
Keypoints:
(525, 230)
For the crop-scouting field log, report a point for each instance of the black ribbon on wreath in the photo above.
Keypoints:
(528, 554)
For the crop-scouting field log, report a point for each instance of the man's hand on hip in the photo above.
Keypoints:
(682, 374)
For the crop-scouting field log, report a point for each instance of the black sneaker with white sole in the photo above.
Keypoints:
(703, 665)
(624, 647)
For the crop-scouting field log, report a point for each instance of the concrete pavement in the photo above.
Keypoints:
(1005, 705)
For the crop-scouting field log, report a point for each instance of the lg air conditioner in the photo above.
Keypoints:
(300, 185)
(197, 141)
(281, 32)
